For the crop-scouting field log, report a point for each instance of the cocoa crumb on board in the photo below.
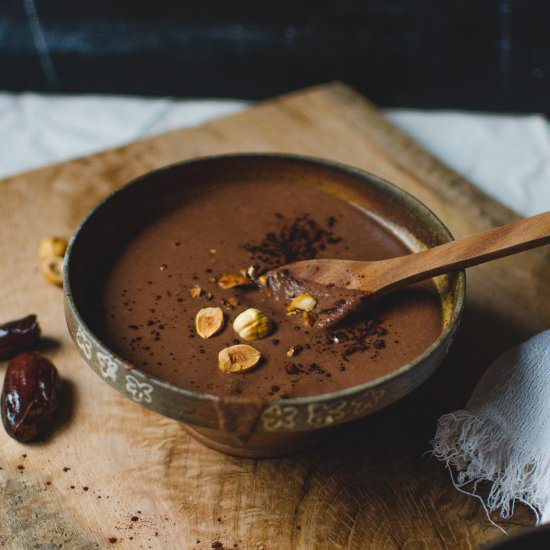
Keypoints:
(138, 528)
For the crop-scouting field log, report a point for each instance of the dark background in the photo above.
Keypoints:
(481, 55)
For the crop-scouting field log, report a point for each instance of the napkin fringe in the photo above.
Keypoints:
(480, 451)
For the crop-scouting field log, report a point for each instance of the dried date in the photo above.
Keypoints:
(30, 395)
(18, 336)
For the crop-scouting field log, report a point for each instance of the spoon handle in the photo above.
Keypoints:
(479, 248)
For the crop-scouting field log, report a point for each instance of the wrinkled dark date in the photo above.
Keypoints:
(18, 336)
(30, 395)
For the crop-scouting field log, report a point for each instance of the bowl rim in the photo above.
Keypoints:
(357, 174)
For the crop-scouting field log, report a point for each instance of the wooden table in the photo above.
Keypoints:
(117, 475)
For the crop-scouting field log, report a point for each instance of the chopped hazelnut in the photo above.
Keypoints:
(262, 280)
(195, 291)
(251, 272)
(304, 302)
(233, 280)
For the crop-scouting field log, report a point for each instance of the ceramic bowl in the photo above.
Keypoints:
(247, 427)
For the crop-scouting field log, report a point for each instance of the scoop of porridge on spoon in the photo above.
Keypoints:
(336, 288)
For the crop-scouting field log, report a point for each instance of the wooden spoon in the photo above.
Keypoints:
(386, 275)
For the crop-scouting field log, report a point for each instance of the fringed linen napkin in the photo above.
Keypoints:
(503, 434)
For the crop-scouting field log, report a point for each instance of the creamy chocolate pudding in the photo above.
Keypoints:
(169, 266)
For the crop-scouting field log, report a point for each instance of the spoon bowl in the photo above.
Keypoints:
(351, 281)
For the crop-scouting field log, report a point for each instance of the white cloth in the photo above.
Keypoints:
(38, 129)
(507, 156)
(503, 434)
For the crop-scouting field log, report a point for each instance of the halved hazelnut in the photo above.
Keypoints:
(252, 324)
(232, 280)
(52, 246)
(52, 268)
(209, 321)
(304, 302)
(239, 358)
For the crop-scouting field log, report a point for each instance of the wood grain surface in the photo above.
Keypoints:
(114, 475)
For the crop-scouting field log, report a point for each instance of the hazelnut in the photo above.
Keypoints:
(252, 324)
(262, 280)
(52, 268)
(52, 246)
(209, 321)
(239, 358)
(233, 280)
(251, 272)
(304, 302)
(195, 291)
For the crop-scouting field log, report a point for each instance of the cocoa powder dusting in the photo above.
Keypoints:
(301, 238)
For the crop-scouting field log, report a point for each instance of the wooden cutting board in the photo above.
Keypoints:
(115, 475)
